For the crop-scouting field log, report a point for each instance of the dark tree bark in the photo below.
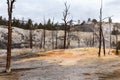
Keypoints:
(93, 37)
(30, 25)
(41, 40)
(101, 39)
(53, 34)
(100, 31)
(65, 14)
(69, 31)
(56, 37)
(110, 21)
(31, 40)
(117, 44)
(68, 39)
(94, 21)
(56, 41)
(10, 8)
(52, 39)
(44, 34)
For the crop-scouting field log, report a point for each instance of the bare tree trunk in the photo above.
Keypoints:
(100, 31)
(31, 40)
(68, 38)
(93, 35)
(65, 14)
(78, 38)
(110, 33)
(103, 43)
(65, 34)
(69, 32)
(56, 40)
(52, 39)
(41, 40)
(53, 34)
(44, 34)
(117, 52)
(101, 35)
(9, 45)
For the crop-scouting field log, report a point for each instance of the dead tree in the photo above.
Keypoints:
(53, 34)
(31, 40)
(52, 39)
(56, 43)
(100, 31)
(94, 21)
(10, 8)
(78, 34)
(41, 40)
(56, 36)
(116, 34)
(101, 39)
(65, 15)
(110, 21)
(69, 31)
(93, 35)
(30, 33)
(44, 34)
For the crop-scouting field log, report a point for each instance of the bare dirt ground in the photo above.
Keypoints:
(71, 64)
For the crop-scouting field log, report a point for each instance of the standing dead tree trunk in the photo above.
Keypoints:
(44, 36)
(31, 40)
(56, 43)
(52, 34)
(101, 39)
(100, 31)
(52, 39)
(116, 34)
(56, 36)
(10, 8)
(94, 21)
(41, 40)
(65, 15)
(93, 35)
(30, 32)
(110, 21)
(69, 31)
(44, 33)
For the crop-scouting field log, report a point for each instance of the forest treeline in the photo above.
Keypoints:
(49, 25)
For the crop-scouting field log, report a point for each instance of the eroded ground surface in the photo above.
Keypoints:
(72, 64)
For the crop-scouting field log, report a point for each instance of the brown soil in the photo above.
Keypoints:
(70, 64)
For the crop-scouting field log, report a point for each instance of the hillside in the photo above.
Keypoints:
(21, 38)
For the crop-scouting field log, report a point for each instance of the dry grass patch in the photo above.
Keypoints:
(71, 56)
